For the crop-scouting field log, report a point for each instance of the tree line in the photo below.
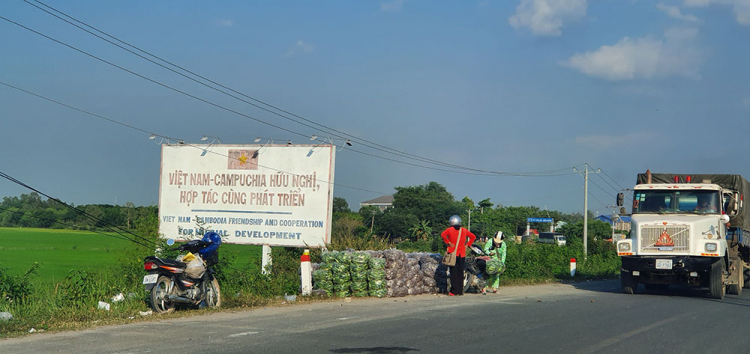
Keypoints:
(30, 210)
(420, 213)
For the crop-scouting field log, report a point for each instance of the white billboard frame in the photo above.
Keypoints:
(274, 195)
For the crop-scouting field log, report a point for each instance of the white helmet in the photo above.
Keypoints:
(455, 220)
(499, 237)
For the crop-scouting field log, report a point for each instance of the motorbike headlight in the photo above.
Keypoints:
(711, 247)
(623, 246)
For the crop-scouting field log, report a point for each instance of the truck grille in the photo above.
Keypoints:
(680, 235)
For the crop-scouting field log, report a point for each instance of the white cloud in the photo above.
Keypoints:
(643, 58)
(674, 12)
(392, 6)
(608, 141)
(740, 8)
(299, 48)
(547, 17)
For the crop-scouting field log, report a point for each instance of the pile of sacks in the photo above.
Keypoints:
(392, 273)
(345, 273)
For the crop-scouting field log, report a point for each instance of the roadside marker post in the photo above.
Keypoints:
(306, 273)
(572, 267)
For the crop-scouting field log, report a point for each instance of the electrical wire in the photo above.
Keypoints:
(109, 225)
(549, 173)
(27, 213)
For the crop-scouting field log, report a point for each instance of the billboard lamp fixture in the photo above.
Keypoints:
(152, 137)
(289, 142)
(257, 139)
(204, 138)
(348, 142)
(314, 137)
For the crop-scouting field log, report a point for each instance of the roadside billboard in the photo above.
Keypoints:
(277, 195)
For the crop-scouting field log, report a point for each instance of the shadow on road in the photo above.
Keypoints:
(375, 350)
(683, 291)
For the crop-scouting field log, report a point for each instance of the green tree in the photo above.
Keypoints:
(340, 205)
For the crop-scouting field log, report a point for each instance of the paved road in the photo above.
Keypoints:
(588, 317)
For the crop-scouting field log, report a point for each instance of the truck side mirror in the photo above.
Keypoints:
(620, 199)
(732, 206)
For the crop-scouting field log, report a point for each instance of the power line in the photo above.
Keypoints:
(609, 184)
(28, 213)
(613, 180)
(109, 225)
(379, 147)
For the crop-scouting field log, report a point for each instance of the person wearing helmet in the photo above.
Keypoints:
(450, 237)
(496, 249)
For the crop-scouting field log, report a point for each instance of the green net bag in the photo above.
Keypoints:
(378, 293)
(377, 263)
(494, 266)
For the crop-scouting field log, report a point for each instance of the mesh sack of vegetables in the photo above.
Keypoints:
(358, 267)
(344, 257)
(376, 284)
(329, 257)
(322, 275)
(377, 263)
(342, 293)
(494, 266)
(360, 293)
(340, 273)
(378, 293)
(360, 257)
(341, 287)
(358, 286)
(325, 285)
(376, 274)
(359, 276)
(325, 266)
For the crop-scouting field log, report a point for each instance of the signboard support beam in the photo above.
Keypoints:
(266, 261)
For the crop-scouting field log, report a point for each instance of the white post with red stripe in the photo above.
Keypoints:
(306, 273)
(572, 267)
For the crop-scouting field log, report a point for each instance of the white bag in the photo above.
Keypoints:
(195, 268)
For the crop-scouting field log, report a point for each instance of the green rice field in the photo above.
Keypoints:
(59, 251)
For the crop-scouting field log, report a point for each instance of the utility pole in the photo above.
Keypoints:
(372, 224)
(469, 228)
(585, 211)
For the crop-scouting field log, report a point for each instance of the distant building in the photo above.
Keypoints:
(621, 223)
(381, 203)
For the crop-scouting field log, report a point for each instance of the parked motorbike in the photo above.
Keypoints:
(474, 273)
(171, 283)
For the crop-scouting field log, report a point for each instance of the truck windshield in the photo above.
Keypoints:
(676, 201)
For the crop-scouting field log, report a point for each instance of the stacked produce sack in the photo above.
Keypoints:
(414, 282)
(376, 277)
(429, 265)
(358, 270)
(342, 279)
(323, 278)
(395, 272)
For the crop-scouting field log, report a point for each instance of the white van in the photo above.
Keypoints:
(553, 238)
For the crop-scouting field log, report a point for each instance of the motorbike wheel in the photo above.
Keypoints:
(468, 279)
(213, 294)
(159, 293)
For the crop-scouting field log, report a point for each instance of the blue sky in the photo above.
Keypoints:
(516, 86)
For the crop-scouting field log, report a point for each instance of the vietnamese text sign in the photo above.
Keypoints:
(278, 195)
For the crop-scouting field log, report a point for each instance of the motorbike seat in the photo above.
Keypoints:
(171, 262)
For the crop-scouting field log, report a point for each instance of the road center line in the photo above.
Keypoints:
(241, 334)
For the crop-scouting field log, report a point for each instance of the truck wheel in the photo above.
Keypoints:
(746, 279)
(736, 289)
(716, 280)
(628, 283)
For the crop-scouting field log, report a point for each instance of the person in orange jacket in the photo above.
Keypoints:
(450, 237)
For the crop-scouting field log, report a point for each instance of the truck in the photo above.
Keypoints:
(687, 229)
(553, 238)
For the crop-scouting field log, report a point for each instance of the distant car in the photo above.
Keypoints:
(553, 238)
